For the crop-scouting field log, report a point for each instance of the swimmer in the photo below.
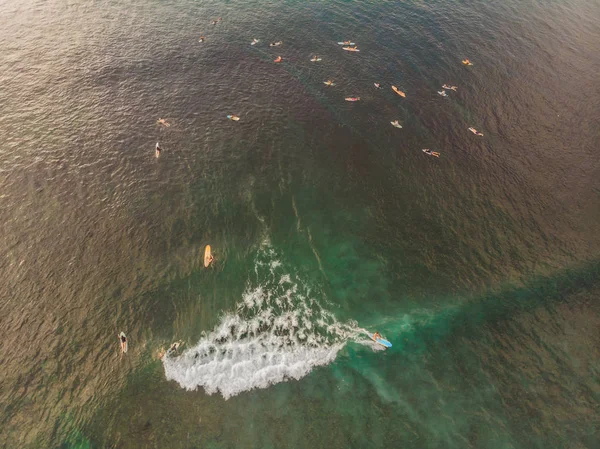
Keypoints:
(431, 153)
(278, 59)
(474, 131)
(162, 121)
(158, 150)
(329, 83)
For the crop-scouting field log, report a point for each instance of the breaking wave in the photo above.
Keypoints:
(280, 331)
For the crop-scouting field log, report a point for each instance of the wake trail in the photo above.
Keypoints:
(279, 331)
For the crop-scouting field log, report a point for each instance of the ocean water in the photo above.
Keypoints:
(481, 267)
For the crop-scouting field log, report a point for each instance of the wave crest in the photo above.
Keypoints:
(279, 331)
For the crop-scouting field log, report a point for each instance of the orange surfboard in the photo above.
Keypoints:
(207, 255)
(398, 91)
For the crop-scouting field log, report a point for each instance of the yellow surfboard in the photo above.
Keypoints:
(207, 255)
(398, 91)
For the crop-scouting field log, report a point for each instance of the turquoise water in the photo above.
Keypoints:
(481, 267)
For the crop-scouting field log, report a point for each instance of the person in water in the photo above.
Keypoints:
(377, 85)
(376, 335)
(431, 153)
(123, 341)
(158, 150)
(201, 39)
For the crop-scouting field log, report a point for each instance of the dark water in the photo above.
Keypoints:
(482, 267)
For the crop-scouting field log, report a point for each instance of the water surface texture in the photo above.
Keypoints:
(481, 267)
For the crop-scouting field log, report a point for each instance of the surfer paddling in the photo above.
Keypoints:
(157, 150)
(123, 342)
(208, 257)
(428, 152)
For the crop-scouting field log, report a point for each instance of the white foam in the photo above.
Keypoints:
(279, 332)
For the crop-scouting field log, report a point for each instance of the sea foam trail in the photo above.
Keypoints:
(280, 331)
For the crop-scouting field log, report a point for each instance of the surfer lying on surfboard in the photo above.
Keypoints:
(431, 153)
(123, 341)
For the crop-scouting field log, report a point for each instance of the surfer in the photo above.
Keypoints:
(377, 85)
(445, 86)
(315, 58)
(474, 131)
(157, 150)
(214, 22)
(163, 122)
(275, 44)
(201, 39)
(254, 42)
(123, 341)
(466, 62)
(442, 93)
(431, 153)
(396, 123)
(278, 59)
(453, 88)
(329, 83)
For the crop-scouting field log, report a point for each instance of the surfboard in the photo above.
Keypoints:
(207, 255)
(235, 118)
(398, 91)
(381, 341)
(346, 43)
(123, 346)
(350, 49)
